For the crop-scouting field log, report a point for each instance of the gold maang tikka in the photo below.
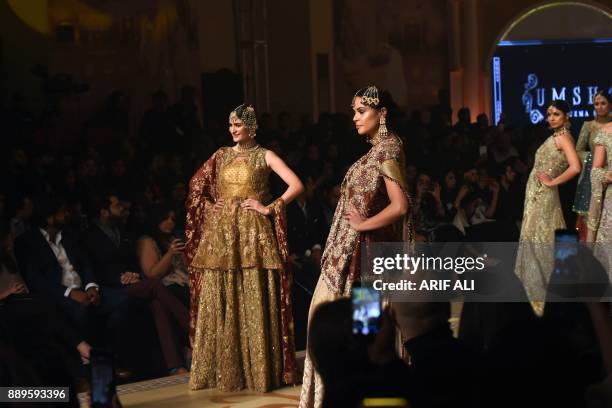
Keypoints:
(248, 118)
(370, 97)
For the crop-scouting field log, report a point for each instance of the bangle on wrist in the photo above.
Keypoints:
(276, 206)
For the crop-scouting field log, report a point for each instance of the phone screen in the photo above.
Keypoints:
(366, 311)
(102, 379)
(566, 245)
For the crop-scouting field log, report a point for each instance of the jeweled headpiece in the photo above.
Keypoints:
(559, 104)
(370, 96)
(246, 113)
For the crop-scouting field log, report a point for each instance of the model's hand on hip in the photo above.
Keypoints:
(252, 204)
(354, 218)
(544, 179)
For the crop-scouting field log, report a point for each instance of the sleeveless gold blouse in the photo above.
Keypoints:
(234, 237)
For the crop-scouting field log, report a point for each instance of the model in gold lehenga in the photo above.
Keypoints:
(372, 207)
(240, 285)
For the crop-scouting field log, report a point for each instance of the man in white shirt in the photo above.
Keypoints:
(57, 268)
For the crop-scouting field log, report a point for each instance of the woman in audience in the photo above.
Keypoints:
(448, 193)
(161, 254)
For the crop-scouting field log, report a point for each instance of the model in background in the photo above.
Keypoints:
(600, 213)
(585, 148)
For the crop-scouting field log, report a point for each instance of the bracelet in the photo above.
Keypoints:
(598, 175)
(276, 206)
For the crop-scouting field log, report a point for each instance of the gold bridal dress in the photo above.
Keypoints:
(364, 189)
(241, 317)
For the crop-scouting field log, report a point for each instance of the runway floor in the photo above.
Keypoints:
(174, 392)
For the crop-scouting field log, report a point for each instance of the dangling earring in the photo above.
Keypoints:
(567, 124)
(382, 127)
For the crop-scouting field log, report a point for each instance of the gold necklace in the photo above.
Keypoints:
(374, 140)
(247, 147)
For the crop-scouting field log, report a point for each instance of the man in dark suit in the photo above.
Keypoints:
(111, 252)
(113, 258)
(58, 269)
(306, 225)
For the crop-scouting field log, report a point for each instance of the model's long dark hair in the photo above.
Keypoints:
(159, 214)
(561, 105)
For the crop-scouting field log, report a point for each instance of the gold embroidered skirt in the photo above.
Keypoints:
(238, 334)
(238, 338)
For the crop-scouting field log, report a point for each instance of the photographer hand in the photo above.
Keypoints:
(382, 350)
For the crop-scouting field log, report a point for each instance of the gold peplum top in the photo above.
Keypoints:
(234, 237)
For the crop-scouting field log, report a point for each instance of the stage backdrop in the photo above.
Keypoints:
(400, 45)
(528, 75)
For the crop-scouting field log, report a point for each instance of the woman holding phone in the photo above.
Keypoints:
(373, 207)
(161, 255)
(240, 282)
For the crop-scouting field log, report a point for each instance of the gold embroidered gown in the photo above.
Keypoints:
(363, 188)
(600, 211)
(541, 216)
(236, 275)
